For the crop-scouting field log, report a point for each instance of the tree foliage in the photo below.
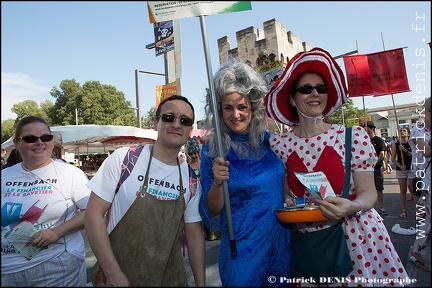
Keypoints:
(93, 103)
(30, 107)
(7, 129)
(148, 121)
(349, 112)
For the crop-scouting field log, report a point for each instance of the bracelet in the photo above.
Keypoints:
(361, 208)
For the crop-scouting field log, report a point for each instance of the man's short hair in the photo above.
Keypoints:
(171, 98)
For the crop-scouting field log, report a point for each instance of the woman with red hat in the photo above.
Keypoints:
(310, 89)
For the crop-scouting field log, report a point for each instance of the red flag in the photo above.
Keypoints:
(358, 76)
(387, 72)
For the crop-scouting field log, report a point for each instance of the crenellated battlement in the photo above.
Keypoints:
(257, 46)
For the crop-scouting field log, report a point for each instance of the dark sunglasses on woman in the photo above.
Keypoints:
(33, 138)
(307, 89)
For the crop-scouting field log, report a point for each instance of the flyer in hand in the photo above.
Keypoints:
(316, 183)
(21, 236)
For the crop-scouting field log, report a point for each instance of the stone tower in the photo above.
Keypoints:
(255, 45)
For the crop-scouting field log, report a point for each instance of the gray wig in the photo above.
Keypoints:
(236, 76)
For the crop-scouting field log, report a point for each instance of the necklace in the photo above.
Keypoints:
(49, 183)
(65, 214)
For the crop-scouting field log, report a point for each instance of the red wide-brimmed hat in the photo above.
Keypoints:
(316, 60)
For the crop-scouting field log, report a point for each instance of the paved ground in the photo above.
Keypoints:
(402, 243)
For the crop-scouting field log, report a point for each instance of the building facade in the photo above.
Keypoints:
(388, 119)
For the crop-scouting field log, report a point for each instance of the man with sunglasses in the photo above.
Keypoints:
(140, 245)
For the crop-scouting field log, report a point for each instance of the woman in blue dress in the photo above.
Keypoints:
(255, 179)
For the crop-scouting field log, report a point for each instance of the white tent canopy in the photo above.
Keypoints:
(91, 137)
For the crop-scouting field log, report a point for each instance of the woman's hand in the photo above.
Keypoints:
(337, 207)
(43, 238)
(220, 170)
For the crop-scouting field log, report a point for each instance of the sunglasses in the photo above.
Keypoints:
(33, 138)
(185, 121)
(307, 89)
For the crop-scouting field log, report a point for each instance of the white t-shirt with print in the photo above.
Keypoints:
(42, 197)
(163, 182)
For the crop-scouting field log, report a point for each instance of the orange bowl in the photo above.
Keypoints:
(302, 214)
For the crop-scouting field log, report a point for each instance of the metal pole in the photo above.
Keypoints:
(394, 109)
(137, 98)
(218, 137)
(166, 68)
(137, 71)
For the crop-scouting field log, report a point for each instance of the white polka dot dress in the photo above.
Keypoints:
(375, 260)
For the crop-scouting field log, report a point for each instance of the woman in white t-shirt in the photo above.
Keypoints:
(43, 204)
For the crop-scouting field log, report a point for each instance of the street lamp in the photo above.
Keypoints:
(137, 71)
(137, 84)
(152, 46)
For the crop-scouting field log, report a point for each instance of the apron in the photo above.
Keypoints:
(147, 240)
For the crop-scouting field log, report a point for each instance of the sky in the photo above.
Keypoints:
(44, 43)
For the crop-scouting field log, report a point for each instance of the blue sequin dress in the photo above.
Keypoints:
(255, 191)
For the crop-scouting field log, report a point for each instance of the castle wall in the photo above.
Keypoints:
(253, 43)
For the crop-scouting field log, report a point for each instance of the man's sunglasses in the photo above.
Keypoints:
(185, 121)
(307, 89)
(33, 138)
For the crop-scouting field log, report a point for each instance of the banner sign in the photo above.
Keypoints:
(270, 72)
(358, 75)
(165, 91)
(376, 74)
(164, 37)
(160, 11)
(388, 72)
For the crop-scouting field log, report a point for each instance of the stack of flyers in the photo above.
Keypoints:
(316, 184)
(21, 236)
